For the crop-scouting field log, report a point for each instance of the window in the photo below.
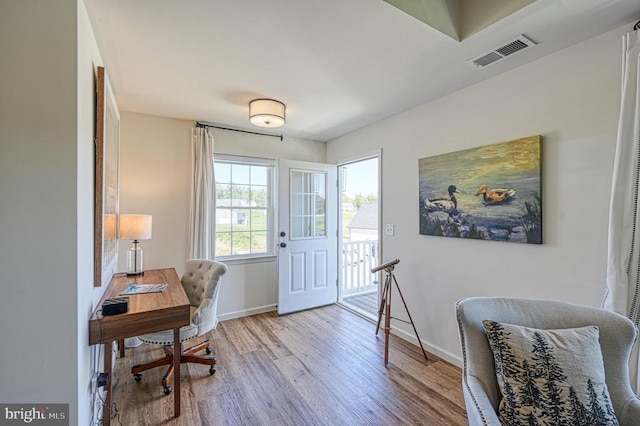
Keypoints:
(308, 204)
(244, 206)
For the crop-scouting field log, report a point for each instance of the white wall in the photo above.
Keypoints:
(154, 179)
(572, 99)
(155, 170)
(46, 175)
(89, 359)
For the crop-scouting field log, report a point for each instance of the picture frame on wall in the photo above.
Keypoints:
(107, 153)
(493, 192)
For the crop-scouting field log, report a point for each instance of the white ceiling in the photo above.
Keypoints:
(338, 65)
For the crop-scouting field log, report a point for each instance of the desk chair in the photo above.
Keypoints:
(482, 396)
(201, 283)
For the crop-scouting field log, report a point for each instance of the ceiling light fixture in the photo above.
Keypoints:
(266, 113)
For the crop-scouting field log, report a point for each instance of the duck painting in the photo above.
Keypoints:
(443, 204)
(506, 178)
(496, 196)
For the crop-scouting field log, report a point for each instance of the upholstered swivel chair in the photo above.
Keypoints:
(201, 282)
(617, 335)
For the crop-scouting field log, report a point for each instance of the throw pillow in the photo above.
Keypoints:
(550, 377)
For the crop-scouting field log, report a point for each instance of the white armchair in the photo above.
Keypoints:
(617, 335)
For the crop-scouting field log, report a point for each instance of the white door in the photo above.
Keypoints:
(308, 241)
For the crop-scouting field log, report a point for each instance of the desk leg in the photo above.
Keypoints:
(108, 363)
(177, 354)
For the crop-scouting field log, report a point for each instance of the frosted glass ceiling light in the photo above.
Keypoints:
(266, 113)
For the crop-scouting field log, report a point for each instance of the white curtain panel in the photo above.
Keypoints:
(203, 193)
(622, 290)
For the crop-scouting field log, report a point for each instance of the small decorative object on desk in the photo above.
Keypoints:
(144, 288)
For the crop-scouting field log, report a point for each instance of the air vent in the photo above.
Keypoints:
(509, 48)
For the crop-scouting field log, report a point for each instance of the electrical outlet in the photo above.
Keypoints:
(102, 379)
(389, 229)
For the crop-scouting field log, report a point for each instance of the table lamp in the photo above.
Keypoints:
(135, 227)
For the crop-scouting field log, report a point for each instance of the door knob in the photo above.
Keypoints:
(282, 234)
(283, 245)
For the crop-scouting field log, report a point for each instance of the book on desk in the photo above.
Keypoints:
(143, 288)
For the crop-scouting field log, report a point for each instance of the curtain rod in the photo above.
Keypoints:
(205, 124)
(637, 26)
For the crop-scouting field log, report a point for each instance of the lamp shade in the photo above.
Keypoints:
(135, 226)
(266, 113)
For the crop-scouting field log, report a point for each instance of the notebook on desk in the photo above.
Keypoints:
(144, 288)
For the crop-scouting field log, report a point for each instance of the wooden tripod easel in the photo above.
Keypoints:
(385, 308)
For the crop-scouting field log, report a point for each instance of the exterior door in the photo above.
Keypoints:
(308, 242)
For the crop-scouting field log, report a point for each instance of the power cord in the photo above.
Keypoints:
(113, 409)
(97, 368)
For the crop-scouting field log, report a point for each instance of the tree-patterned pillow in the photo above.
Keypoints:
(550, 377)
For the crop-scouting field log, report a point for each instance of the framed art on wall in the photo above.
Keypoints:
(493, 192)
(107, 148)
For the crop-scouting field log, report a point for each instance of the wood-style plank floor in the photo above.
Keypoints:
(318, 367)
(366, 303)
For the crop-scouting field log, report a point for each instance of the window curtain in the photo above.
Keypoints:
(203, 193)
(622, 289)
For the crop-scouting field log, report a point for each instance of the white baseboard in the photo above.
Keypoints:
(437, 351)
(247, 312)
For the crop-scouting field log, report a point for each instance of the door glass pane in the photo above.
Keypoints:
(320, 226)
(308, 204)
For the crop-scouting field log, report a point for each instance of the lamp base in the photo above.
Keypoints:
(135, 257)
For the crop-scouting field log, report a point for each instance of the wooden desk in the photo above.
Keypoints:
(147, 313)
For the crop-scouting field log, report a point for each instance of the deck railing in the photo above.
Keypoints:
(358, 257)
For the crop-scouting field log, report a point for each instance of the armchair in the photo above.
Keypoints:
(617, 335)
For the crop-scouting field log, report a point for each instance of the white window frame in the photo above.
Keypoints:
(271, 197)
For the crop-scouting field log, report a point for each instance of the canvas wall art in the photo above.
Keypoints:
(107, 153)
(493, 192)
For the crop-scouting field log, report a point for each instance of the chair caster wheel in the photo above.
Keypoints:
(208, 350)
(137, 377)
(212, 370)
(167, 390)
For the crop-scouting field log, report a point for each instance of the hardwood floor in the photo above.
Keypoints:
(318, 367)
(366, 304)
